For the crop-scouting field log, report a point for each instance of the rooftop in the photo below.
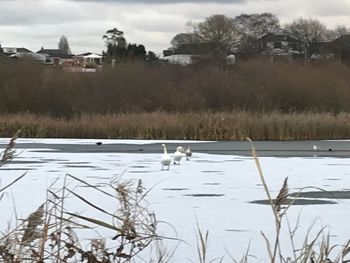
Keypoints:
(277, 37)
(55, 53)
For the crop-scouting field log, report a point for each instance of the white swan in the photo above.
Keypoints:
(188, 153)
(178, 154)
(165, 160)
(316, 148)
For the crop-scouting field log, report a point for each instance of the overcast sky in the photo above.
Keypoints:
(37, 23)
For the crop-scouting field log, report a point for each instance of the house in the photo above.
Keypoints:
(24, 53)
(322, 50)
(190, 53)
(279, 44)
(86, 62)
(340, 47)
(10, 51)
(56, 56)
(89, 60)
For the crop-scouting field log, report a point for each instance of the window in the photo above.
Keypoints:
(277, 44)
(293, 46)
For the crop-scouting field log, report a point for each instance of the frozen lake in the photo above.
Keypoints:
(219, 187)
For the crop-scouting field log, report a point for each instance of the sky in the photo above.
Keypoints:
(40, 23)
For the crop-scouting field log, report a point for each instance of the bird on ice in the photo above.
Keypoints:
(165, 159)
(179, 154)
(188, 153)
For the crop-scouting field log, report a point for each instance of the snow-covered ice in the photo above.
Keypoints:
(214, 191)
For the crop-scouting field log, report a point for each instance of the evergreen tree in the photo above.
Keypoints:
(116, 44)
(63, 45)
(119, 50)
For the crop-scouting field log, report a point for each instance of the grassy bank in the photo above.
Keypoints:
(192, 126)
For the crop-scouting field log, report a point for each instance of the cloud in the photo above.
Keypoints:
(163, 1)
(36, 23)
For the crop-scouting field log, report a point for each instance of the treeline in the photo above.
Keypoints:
(256, 85)
(242, 34)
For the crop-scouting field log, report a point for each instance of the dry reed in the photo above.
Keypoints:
(235, 125)
(316, 249)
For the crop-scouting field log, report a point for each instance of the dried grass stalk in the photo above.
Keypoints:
(9, 152)
(34, 221)
(282, 195)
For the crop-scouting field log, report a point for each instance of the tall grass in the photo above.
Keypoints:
(314, 249)
(52, 233)
(236, 125)
(255, 85)
(259, 99)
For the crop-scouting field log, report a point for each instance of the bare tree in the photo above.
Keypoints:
(221, 31)
(339, 31)
(184, 38)
(63, 45)
(253, 27)
(308, 32)
(257, 25)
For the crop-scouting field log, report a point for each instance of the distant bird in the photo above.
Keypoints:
(188, 153)
(99, 143)
(179, 154)
(165, 160)
(316, 148)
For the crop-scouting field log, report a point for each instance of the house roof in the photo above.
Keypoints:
(22, 49)
(90, 55)
(55, 53)
(195, 49)
(168, 52)
(93, 56)
(345, 37)
(84, 54)
(15, 50)
(341, 43)
(343, 40)
(272, 37)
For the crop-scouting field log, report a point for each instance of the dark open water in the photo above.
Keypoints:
(264, 148)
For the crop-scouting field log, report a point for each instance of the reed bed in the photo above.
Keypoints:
(236, 125)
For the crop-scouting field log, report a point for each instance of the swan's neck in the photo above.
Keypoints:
(165, 150)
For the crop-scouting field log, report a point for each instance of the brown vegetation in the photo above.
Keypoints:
(191, 126)
(263, 100)
(256, 85)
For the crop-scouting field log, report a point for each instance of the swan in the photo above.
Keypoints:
(316, 148)
(178, 154)
(188, 153)
(165, 160)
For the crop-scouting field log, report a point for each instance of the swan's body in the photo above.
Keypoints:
(165, 160)
(188, 153)
(178, 155)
